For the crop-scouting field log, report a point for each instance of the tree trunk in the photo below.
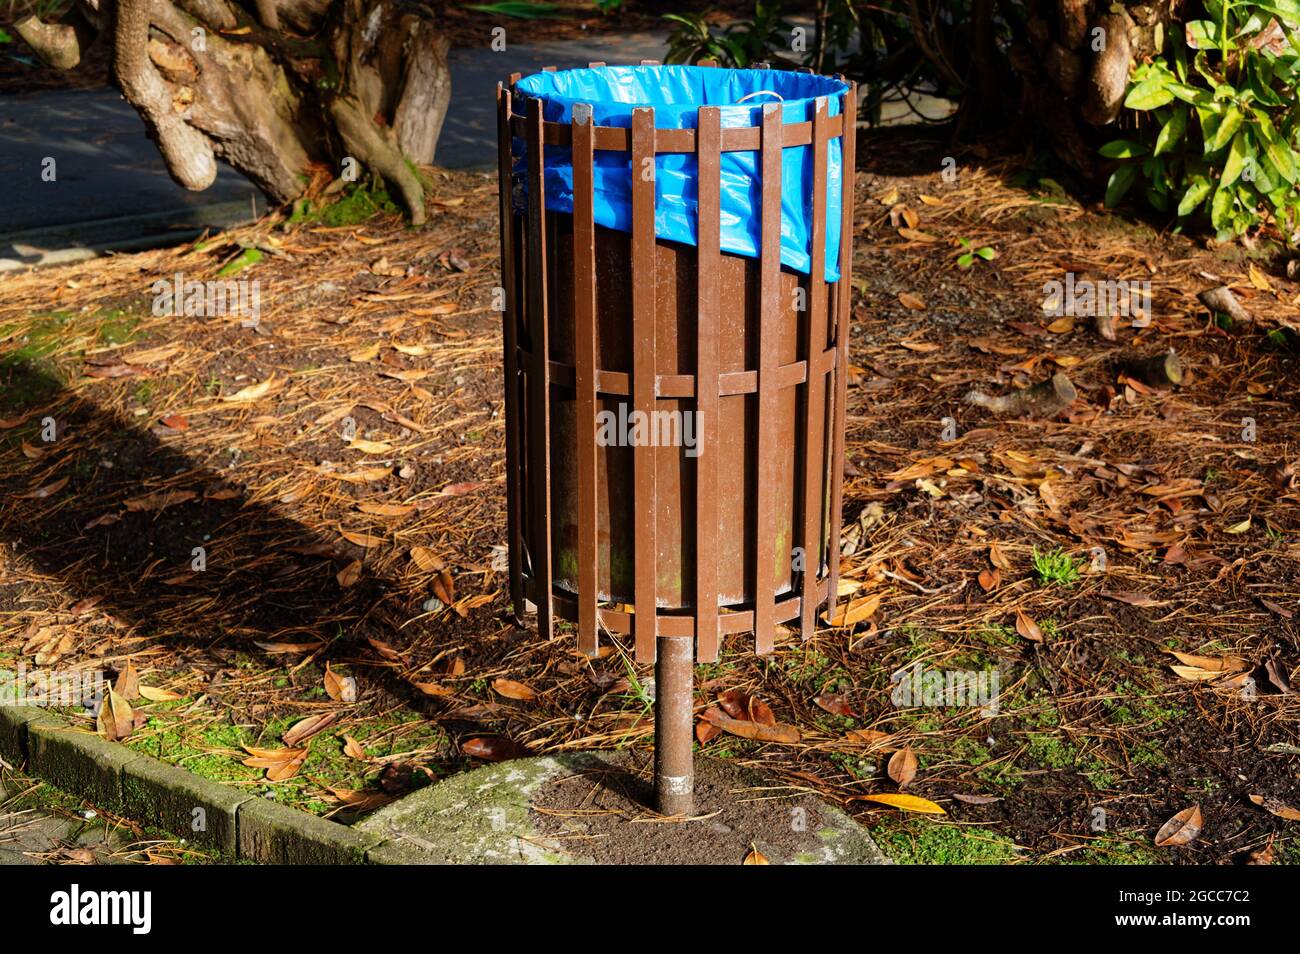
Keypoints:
(1074, 60)
(279, 89)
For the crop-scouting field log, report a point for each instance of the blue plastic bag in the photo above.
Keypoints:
(676, 93)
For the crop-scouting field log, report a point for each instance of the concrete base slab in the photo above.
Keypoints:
(28, 835)
(537, 811)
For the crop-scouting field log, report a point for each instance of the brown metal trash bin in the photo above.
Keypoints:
(648, 539)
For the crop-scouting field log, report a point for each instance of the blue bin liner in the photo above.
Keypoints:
(676, 93)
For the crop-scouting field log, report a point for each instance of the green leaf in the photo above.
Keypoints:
(1172, 132)
(1210, 120)
(5, 37)
(1237, 155)
(250, 257)
(1191, 94)
(1202, 34)
(986, 253)
(1123, 149)
(518, 9)
(1194, 196)
(1285, 9)
(1180, 62)
(966, 260)
(1227, 128)
(1263, 178)
(1221, 207)
(1259, 76)
(1120, 182)
(1151, 93)
(1279, 153)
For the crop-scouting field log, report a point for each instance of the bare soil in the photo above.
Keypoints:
(606, 816)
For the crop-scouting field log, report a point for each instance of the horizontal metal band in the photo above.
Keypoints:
(788, 607)
(734, 138)
(667, 386)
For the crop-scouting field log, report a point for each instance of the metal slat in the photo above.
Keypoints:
(771, 312)
(708, 304)
(644, 369)
(509, 322)
(584, 314)
(844, 303)
(539, 387)
(815, 329)
(734, 138)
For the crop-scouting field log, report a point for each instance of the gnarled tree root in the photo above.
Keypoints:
(364, 139)
(187, 151)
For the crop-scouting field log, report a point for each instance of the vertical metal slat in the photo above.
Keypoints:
(771, 312)
(844, 303)
(509, 321)
(815, 325)
(584, 313)
(708, 143)
(644, 384)
(539, 384)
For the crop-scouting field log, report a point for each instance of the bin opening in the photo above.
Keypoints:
(676, 93)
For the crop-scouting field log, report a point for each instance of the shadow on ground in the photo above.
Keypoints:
(268, 580)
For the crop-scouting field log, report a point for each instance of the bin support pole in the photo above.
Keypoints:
(674, 707)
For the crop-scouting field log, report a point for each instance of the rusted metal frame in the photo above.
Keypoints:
(788, 608)
(614, 383)
(644, 370)
(771, 310)
(844, 304)
(539, 388)
(509, 320)
(815, 329)
(734, 138)
(708, 306)
(584, 314)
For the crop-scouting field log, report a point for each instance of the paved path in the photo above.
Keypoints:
(30, 836)
(469, 137)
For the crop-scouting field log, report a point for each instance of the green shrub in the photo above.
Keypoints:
(1223, 141)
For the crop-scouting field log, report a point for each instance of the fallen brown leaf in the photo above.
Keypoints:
(513, 690)
(785, 734)
(1181, 829)
(902, 766)
(1027, 628)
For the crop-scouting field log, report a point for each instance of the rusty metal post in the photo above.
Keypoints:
(674, 725)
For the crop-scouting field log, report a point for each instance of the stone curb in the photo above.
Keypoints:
(239, 825)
